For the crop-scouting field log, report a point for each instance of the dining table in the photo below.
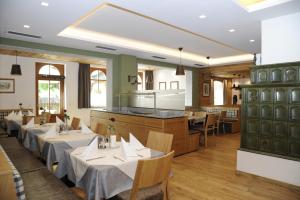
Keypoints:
(13, 125)
(28, 136)
(52, 148)
(106, 173)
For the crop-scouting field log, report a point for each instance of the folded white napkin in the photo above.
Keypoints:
(51, 132)
(135, 143)
(85, 129)
(11, 116)
(30, 124)
(91, 149)
(30, 113)
(19, 116)
(58, 121)
(126, 150)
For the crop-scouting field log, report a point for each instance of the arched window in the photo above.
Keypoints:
(50, 88)
(49, 70)
(98, 87)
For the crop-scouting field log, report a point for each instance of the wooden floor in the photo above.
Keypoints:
(210, 174)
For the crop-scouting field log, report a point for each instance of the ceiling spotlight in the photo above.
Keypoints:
(231, 30)
(251, 40)
(26, 26)
(43, 3)
(202, 16)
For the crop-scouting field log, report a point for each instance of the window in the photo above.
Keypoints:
(140, 80)
(98, 87)
(218, 93)
(49, 88)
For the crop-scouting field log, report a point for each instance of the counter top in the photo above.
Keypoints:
(145, 112)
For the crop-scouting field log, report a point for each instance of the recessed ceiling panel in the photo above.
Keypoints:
(123, 23)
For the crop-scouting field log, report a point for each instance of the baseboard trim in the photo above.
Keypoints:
(279, 169)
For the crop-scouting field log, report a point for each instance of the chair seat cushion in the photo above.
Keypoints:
(151, 193)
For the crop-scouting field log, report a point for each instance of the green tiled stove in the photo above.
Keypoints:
(271, 111)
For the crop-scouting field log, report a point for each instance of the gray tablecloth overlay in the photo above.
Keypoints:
(101, 181)
(31, 140)
(12, 125)
(53, 152)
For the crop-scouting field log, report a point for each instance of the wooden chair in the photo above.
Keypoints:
(151, 179)
(46, 116)
(100, 129)
(221, 118)
(26, 119)
(211, 121)
(160, 141)
(75, 124)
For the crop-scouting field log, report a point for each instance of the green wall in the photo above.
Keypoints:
(123, 65)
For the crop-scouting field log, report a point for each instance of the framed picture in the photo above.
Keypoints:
(206, 89)
(7, 85)
(162, 85)
(174, 85)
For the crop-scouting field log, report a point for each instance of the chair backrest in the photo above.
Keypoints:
(160, 141)
(26, 119)
(75, 123)
(223, 115)
(100, 129)
(211, 120)
(46, 116)
(151, 172)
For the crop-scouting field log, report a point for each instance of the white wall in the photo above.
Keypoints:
(270, 167)
(167, 75)
(281, 39)
(25, 85)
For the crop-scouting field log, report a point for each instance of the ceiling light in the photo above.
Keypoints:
(202, 16)
(26, 26)
(44, 4)
(231, 30)
(251, 40)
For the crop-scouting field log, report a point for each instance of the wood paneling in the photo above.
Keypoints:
(140, 127)
(208, 74)
(51, 56)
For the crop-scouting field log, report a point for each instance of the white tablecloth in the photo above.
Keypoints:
(110, 156)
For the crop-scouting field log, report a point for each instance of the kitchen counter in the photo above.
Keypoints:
(145, 112)
(140, 121)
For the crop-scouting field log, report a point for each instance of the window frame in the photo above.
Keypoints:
(61, 69)
(92, 69)
(213, 83)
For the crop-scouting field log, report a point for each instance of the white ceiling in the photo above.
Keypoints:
(221, 16)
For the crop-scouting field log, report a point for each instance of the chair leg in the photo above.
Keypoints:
(205, 138)
(224, 128)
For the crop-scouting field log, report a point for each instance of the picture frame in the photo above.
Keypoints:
(206, 89)
(174, 85)
(7, 85)
(162, 85)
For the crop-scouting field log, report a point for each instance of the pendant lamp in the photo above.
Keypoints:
(16, 68)
(180, 68)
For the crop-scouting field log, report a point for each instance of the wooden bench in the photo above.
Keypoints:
(7, 186)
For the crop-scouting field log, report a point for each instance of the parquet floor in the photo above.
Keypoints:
(210, 174)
